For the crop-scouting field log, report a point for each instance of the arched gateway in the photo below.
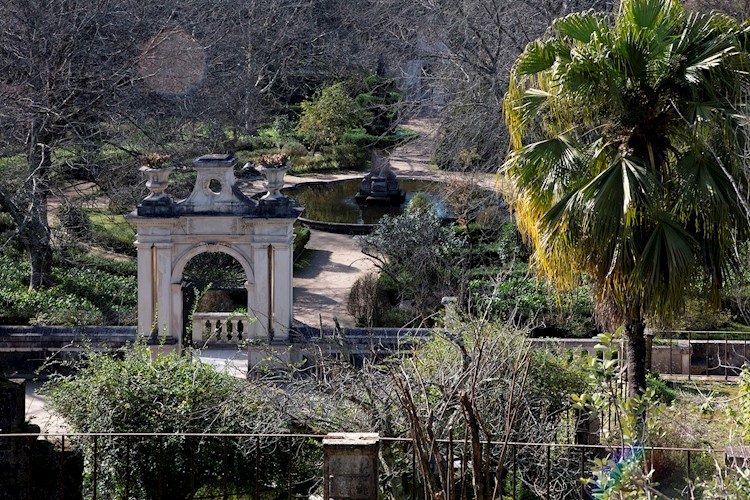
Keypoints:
(216, 217)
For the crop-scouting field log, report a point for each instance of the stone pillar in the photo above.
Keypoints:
(14, 452)
(649, 337)
(164, 290)
(350, 466)
(283, 288)
(146, 295)
(262, 295)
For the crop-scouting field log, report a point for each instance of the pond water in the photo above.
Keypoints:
(334, 201)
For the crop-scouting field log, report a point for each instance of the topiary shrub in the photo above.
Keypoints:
(301, 238)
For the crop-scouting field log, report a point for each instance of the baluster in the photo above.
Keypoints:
(236, 330)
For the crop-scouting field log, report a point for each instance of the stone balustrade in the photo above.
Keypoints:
(220, 328)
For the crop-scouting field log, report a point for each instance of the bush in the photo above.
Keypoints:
(329, 114)
(348, 157)
(301, 238)
(362, 138)
(135, 392)
(306, 164)
(294, 150)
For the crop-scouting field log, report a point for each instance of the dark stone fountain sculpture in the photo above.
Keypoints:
(380, 186)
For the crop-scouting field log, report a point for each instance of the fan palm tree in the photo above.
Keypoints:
(627, 162)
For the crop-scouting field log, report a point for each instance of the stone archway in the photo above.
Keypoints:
(257, 234)
(216, 284)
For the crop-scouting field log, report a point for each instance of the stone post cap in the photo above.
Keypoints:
(215, 160)
(351, 438)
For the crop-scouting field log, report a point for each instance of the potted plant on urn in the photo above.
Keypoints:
(156, 168)
(273, 167)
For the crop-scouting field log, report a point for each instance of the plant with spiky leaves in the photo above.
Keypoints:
(627, 164)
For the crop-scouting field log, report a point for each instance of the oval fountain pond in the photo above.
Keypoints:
(330, 206)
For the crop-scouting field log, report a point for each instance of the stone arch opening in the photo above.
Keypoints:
(213, 282)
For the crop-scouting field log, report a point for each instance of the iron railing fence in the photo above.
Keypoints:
(166, 466)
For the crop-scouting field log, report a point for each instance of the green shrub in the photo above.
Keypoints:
(362, 138)
(329, 114)
(306, 164)
(348, 156)
(663, 391)
(131, 391)
(301, 238)
(254, 143)
(294, 150)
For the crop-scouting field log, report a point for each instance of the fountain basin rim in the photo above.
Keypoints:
(337, 227)
(342, 227)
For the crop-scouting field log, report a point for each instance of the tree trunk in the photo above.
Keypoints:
(635, 349)
(33, 228)
(41, 266)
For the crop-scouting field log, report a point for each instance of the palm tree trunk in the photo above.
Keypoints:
(635, 351)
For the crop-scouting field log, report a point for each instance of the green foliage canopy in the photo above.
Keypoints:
(329, 114)
(627, 138)
(626, 158)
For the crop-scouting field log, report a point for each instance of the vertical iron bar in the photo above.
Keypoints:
(689, 464)
(486, 468)
(61, 481)
(515, 470)
(127, 467)
(191, 452)
(582, 465)
(708, 350)
(464, 461)
(413, 471)
(289, 472)
(159, 471)
(449, 466)
(690, 353)
(548, 471)
(225, 469)
(670, 352)
(257, 467)
(96, 451)
(726, 356)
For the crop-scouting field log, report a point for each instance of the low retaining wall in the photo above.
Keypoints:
(23, 349)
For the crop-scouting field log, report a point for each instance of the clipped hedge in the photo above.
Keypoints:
(301, 238)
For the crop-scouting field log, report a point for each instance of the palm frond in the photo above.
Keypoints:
(580, 25)
(538, 56)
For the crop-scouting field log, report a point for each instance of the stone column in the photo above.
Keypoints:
(261, 294)
(283, 288)
(145, 289)
(164, 290)
(350, 466)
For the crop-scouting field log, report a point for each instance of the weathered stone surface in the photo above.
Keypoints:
(350, 466)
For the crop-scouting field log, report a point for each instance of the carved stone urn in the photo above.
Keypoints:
(274, 181)
(157, 180)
